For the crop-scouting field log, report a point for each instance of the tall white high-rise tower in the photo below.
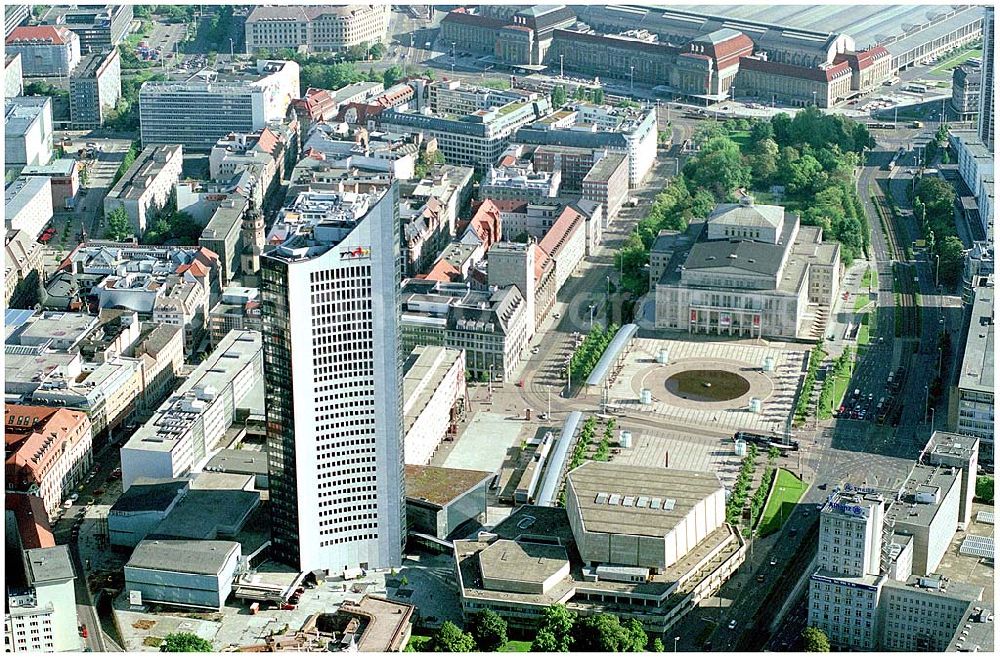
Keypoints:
(332, 367)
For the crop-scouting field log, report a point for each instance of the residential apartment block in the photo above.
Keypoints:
(27, 204)
(94, 88)
(27, 130)
(433, 398)
(23, 270)
(41, 617)
(146, 187)
(64, 175)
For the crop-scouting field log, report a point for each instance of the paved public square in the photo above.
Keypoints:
(775, 389)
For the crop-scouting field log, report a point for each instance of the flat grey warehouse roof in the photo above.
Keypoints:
(49, 564)
(637, 500)
(182, 555)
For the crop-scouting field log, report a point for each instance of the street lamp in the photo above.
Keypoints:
(453, 57)
(814, 98)
(631, 78)
(232, 55)
(591, 308)
(937, 270)
(560, 66)
(676, 639)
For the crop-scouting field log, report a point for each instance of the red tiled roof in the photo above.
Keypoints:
(32, 520)
(50, 33)
(267, 141)
(556, 236)
(542, 261)
(473, 19)
(443, 271)
(506, 205)
(486, 223)
(34, 438)
(791, 71)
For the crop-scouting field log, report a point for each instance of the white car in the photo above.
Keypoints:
(773, 562)
(68, 504)
(534, 350)
(74, 497)
(732, 624)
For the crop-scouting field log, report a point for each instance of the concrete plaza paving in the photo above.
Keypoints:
(686, 452)
(776, 389)
(485, 443)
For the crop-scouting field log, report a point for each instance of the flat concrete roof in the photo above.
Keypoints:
(202, 512)
(250, 462)
(522, 562)
(977, 363)
(150, 495)
(181, 555)
(597, 484)
(47, 565)
(923, 479)
(425, 369)
(440, 486)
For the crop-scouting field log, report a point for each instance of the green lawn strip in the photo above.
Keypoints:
(516, 646)
(741, 137)
(781, 504)
(868, 280)
(860, 302)
(957, 60)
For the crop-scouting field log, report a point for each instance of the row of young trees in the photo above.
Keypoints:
(802, 403)
(842, 367)
(734, 506)
(934, 211)
(589, 353)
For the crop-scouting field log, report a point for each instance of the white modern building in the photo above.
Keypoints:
(319, 28)
(27, 204)
(146, 186)
(619, 130)
(197, 114)
(975, 166)
(27, 130)
(330, 293)
(189, 426)
(192, 574)
(433, 389)
(45, 50)
(975, 382)
(43, 618)
(877, 586)
(13, 76)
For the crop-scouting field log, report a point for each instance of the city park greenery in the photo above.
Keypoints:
(812, 156)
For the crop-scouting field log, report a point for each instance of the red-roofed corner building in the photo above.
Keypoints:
(46, 50)
(869, 69)
(32, 520)
(48, 451)
(566, 243)
(794, 85)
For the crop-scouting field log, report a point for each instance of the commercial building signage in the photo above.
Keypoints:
(357, 252)
(848, 508)
(850, 488)
(725, 320)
